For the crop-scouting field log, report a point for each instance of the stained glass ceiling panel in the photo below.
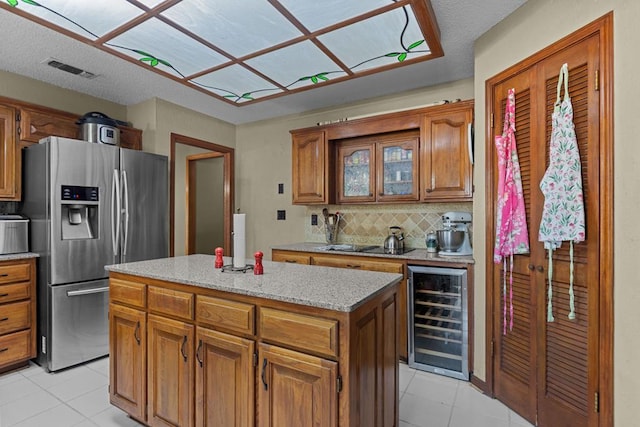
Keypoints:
(246, 50)
(237, 30)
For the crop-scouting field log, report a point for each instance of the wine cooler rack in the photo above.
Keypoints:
(438, 321)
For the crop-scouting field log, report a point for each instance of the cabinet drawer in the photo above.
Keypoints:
(290, 257)
(126, 292)
(373, 264)
(19, 272)
(171, 302)
(231, 315)
(299, 331)
(15, 292)
(15, 347)
(14, 317)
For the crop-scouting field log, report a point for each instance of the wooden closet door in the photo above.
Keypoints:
(548, 372)
(568, 364)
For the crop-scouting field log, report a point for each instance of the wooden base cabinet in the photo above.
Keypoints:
(296, 389)
(225, 377)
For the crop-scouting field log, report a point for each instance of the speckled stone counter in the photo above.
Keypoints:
(414, 255)
(23, 255)
(324, 287)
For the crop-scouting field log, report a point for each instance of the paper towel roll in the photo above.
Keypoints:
(239, 259)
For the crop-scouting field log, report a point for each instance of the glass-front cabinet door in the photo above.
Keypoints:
(356, 177)
(398, 169)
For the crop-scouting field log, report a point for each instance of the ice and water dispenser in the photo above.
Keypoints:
(79, 212)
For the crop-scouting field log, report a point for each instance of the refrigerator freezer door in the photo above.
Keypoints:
(75, 166)
(79, 324)
(145, 227)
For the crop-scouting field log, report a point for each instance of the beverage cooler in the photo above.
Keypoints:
(438, 321)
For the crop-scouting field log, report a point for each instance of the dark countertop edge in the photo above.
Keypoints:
(418, 255)
(22, 255)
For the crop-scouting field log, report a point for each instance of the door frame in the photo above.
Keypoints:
(603, 28)
(228, 154)
(190, 192)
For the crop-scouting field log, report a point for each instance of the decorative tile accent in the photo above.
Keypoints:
(369, 224)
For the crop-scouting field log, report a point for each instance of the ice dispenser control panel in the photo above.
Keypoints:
(79, 194)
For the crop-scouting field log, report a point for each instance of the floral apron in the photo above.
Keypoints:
(511, 220)
(563, 212)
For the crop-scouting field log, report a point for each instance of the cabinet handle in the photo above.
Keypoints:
(2, 350)
(531, 267)
(4, 295)
(540, 268)
(291, 261)
(370, 194)
(428, 190)
(380, 194)
(184, 343)
(264, 373)
(136, 333)
(4, 319)
(4, 275)
(198, 353)
(353, 266)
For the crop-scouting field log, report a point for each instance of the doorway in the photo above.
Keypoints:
(200, 212)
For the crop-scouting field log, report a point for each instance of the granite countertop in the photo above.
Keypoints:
(414, 255)
(325, 287)
(22, 255)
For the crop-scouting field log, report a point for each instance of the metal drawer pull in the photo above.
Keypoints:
(198, 353)
(4, 275)
(184, 343)
(4, 319)
(87, 292)
(2, 350)
(4, 295)
(137, 332)
(353, 266)
(264, 373)
(292, 261)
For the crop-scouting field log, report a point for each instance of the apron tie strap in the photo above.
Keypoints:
(504, 296)
(550, 317)
(511, 294)
(572, 308)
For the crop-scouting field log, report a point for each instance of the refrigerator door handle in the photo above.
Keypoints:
(125, 196)
(88, 291)
(115, 218)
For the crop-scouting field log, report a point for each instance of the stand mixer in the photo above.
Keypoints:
(458, 221)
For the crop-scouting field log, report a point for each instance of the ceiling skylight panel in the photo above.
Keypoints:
(236, 83)
(87, 18)
(237, 27)
(297, 65)
(160, 45)
(315, 15)
(377, 41)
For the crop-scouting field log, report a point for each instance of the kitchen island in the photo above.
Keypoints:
(296, 346)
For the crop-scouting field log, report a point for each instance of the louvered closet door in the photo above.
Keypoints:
(514, 352)
(568, 349)
(547, 372)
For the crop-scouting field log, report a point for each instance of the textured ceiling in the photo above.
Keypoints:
(25, 46)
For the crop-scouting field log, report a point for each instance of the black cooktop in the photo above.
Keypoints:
(382, 250)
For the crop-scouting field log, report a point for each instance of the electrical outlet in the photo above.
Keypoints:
(282, 215)
(314, 219)
(280, 188)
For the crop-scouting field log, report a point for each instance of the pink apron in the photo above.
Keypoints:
(511, 219)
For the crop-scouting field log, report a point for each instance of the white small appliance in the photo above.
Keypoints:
(458, 221)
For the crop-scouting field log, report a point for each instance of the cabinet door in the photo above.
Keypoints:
(446, 166)
(8, 151)
(128, 353)
(290, 257)
(356, 173)
(310, 172)
(397, 170)
(170, 372)
(225, 378)
(296, 389)
(36, 124)
(130, 138)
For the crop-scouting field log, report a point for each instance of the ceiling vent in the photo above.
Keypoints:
(69, 68)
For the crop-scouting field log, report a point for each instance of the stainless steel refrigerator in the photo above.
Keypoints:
(90, 205)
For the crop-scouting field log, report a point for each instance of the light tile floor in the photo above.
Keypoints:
(79, 397)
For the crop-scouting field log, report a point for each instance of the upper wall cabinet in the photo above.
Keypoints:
(446, 152)
(419, 155)
(310, 172)
(23, 124)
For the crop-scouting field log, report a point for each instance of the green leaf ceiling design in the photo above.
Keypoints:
(177, 40)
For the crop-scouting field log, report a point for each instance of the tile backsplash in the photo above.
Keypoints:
(369, 224)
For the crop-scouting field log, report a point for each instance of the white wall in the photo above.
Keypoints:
(532, 27)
